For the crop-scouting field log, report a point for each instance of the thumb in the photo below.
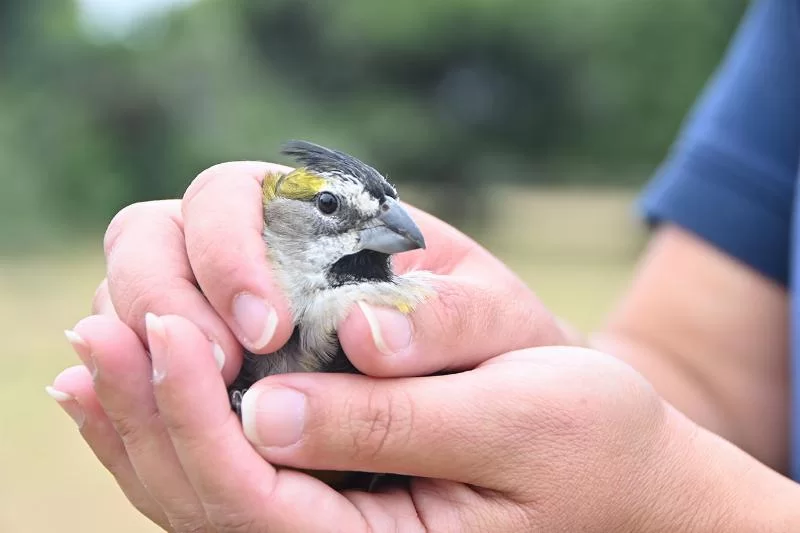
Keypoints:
(467, 322)
(463, 427)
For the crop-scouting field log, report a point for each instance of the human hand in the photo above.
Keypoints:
(547, 439)
(143, 437)
(186, 257)
(203, 258)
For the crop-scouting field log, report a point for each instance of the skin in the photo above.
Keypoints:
(712, 336)
(560, 438)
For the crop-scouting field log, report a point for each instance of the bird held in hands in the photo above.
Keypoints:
(331, 227)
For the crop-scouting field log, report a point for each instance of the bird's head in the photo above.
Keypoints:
(335, 218)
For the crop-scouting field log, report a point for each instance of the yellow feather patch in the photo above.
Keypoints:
(404, 307)
(300, 184)
(269, 184)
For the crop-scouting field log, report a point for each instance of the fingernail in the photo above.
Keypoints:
(219, 356)
(256, 319)
(390, 329)
(157, 339)
(274, 417)
(83, 350)
(68, 404)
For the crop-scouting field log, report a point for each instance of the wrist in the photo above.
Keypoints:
(704, 483)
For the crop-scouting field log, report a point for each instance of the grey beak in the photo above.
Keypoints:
(397, 233)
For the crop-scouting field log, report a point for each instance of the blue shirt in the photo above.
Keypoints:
(730, 177)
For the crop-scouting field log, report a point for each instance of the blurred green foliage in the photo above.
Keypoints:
(450, 94)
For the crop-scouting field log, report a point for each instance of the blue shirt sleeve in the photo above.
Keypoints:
(730, 176)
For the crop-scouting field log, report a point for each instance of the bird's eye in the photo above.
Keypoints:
(327, 203)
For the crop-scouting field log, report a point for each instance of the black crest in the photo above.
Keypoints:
(320, 159)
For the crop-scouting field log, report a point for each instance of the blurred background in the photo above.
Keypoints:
(528, 124)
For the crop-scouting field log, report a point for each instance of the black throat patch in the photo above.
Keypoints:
(366, 265)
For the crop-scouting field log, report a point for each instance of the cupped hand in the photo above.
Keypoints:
(547, 439)
(203, 258)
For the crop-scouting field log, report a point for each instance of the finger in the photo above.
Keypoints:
(233, 481)
(74, 392)
(149, 271)
(466, 322)
(223, 216)
(101, 302)
(409, 426)
(122, 373)
(465, 427)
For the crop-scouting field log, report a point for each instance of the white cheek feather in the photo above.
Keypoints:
(357, 197)
(302, 269)
(365, 203)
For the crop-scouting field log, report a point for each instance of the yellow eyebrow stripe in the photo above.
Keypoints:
(268, 185)
(299, 184)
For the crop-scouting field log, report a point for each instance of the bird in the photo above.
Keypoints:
(331, 228)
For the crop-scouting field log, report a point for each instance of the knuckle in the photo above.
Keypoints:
(126, 217)
(529, 320)
(194, 440)
(384, 422)
(129, 430)
(465, 312)
(202, 180)
(156, 213)
(454, 314)
(180, 428)
(136, 432)
(156, 297)
(141, 304)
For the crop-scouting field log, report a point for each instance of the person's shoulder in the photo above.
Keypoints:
(730, 176)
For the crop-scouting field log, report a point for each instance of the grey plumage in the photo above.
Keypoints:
(323, 267)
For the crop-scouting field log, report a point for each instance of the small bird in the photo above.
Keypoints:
(331, 227)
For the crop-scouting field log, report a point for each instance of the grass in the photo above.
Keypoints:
(574, 248)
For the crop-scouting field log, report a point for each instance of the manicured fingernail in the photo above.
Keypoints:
(390, 329)
(256, 319)
(157, 339)
(83, 350)
(68, 404)
(219, 356)
(273, 417)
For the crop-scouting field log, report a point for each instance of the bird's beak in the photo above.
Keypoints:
(397, 233)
